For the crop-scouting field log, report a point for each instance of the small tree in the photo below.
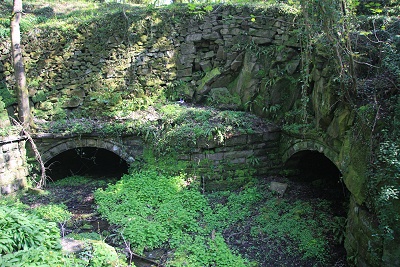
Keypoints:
(24, 113)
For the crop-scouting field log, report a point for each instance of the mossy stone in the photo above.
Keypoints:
(202, 88)
(223, 99)
(353, 158)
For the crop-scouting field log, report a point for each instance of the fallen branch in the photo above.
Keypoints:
(38, 157)
(132, 254)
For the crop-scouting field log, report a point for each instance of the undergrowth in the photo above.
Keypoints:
(170, 128)
(31, 237)
(153, 210)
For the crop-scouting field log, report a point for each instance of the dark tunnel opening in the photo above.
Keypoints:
(313, 165)
(86, 161)
(320, 174)
(317, 180)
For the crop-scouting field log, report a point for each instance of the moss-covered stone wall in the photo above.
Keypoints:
(126, 60)
(13, 167)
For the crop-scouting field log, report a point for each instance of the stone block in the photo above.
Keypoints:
(262, 33)
(255, 138)
(197, 157)
(237, 161)
(261, 40)
(6, 189)
(279, 188)
(271, 136)
(196, 37)
(184, 72)
(185, 157)
(258, 146)
(221, 54)
(236, 140)
(239, 154)
(9, 147)
(209, 54)
(211, 36)
(215, 156)
(260, 152)
(224, 149)
(187, 49)
(91, 142)
(205, 65)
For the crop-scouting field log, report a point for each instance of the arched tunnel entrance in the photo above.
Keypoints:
(317, 180)
(86, 161)
(318, 172)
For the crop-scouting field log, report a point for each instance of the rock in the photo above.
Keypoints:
(187, 49)
(72, 102)
(203, 87)
(211, 36)
(261, 40)
(71, 245)
(279, 188)
(262, 33)
(237, 62)
(223, 99)
(292, 66)
(205, 65)
(194, 37)
(104, 253)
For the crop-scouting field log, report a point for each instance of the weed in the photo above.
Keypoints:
(154, 210)
(53, 212)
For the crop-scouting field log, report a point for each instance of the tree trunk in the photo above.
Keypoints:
(24, 113)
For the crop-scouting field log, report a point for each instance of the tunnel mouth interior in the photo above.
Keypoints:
(320, 174)
(91, 162)
(318, 180)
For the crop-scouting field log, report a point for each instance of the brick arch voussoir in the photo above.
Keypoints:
(312, 145)
(111, 146)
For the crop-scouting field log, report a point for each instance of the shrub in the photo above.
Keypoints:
(20, 231)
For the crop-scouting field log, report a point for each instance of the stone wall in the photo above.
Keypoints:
(229, 164)
(227, 57)
(223, 164)
(13, 167)
(126, 147)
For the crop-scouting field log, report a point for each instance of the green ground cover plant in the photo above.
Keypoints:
(31, 237)
(282, 221)
(154, 210)
(27, 240)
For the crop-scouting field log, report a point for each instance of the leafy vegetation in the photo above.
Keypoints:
(384, 187)
(169, 128)
(153, 210)
(31, 237)
(22, 234)
(53, 213)
(161, 207)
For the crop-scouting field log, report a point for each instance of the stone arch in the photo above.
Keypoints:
(312, 145)
(109, 145)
